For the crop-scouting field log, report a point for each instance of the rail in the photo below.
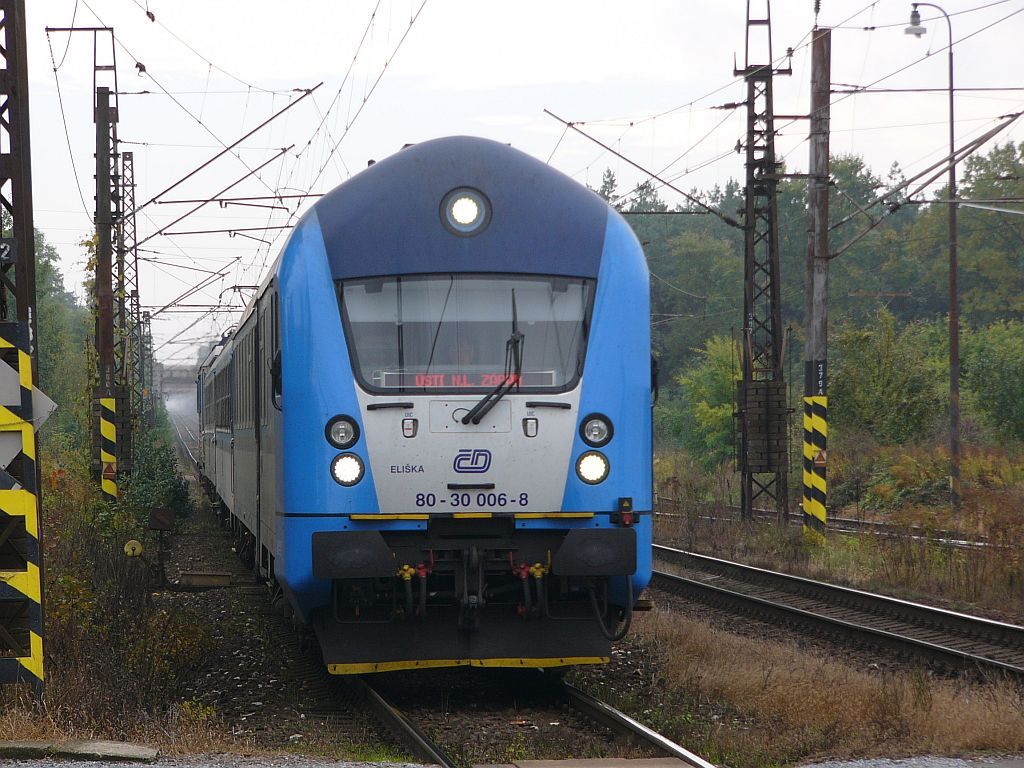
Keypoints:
(407, 732)
(624, 725)
(181, 439)
(934, 633)
(594, 710)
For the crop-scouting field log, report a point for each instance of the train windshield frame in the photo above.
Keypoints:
(455, 333)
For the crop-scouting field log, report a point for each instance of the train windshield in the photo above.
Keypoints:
(455, 332)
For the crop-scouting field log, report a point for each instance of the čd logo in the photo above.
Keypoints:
(472, 460)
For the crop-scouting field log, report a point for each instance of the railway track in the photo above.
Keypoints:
(191, 442)
(622, 725)
(946, 638)
(841, 525)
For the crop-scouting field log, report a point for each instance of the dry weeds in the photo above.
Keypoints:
(984, 580)
(784, 704)
(180, 730)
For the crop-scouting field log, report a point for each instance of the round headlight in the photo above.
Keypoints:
(342, 432)
(347, 469)
(465, 211)
(592, 467)
(596, 430)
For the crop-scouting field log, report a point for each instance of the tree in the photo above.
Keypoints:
(646, 199)
(886, 381)
(608, 184)
(708, 394)
(993, 369)
(63, 327)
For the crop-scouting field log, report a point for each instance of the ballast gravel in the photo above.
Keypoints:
(922, 762)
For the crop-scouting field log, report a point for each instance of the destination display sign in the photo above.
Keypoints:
(464, 380)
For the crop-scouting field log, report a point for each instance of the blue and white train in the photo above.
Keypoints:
(431, 429)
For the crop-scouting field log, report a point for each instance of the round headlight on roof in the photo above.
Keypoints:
(596, 430)
(342, 432)
(465, 211)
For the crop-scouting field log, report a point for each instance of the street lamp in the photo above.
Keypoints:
(917, 30)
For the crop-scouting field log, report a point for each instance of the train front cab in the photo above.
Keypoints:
(414, 555)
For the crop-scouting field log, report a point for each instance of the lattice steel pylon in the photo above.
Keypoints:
(21, 567)
(128, 259)
(761, 392)
(149, 391)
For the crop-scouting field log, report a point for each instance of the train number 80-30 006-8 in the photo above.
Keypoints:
(466, 500)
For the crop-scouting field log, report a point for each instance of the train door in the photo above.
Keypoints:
(269, 419)
(267, 445)
(263, 561)
(244, 464)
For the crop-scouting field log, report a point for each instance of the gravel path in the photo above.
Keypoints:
(215, 761)
(254, 676)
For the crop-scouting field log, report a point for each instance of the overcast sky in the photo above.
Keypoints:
(645, 75)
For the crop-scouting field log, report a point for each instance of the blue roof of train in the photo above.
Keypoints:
(386, 220)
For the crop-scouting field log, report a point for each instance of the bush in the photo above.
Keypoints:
(155, 481)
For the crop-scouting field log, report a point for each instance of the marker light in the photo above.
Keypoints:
(596, 430)
(342, 432)
(347, 469)
(592, 467)
(465, 211)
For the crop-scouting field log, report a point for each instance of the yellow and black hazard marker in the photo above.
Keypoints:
(108, 448)
(815, 447)
(21, 613)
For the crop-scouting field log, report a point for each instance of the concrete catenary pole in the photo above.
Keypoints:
(815, 446)
(104, 420)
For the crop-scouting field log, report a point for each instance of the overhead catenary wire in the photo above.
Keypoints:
(351, 120)
(233, 184)
(152, 17)
(373, 87)
(957, 155)
(144, 71)
(979, 206)
(700, 204)
(64, 119)
(632, 122)
(201, 166)
(873, 27)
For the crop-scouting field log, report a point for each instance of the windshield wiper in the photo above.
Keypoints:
(513, 372)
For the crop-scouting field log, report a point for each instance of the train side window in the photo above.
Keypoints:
(276, 383)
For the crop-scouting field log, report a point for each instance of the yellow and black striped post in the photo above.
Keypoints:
(815, 448)
(108, 448)
(21, 590)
